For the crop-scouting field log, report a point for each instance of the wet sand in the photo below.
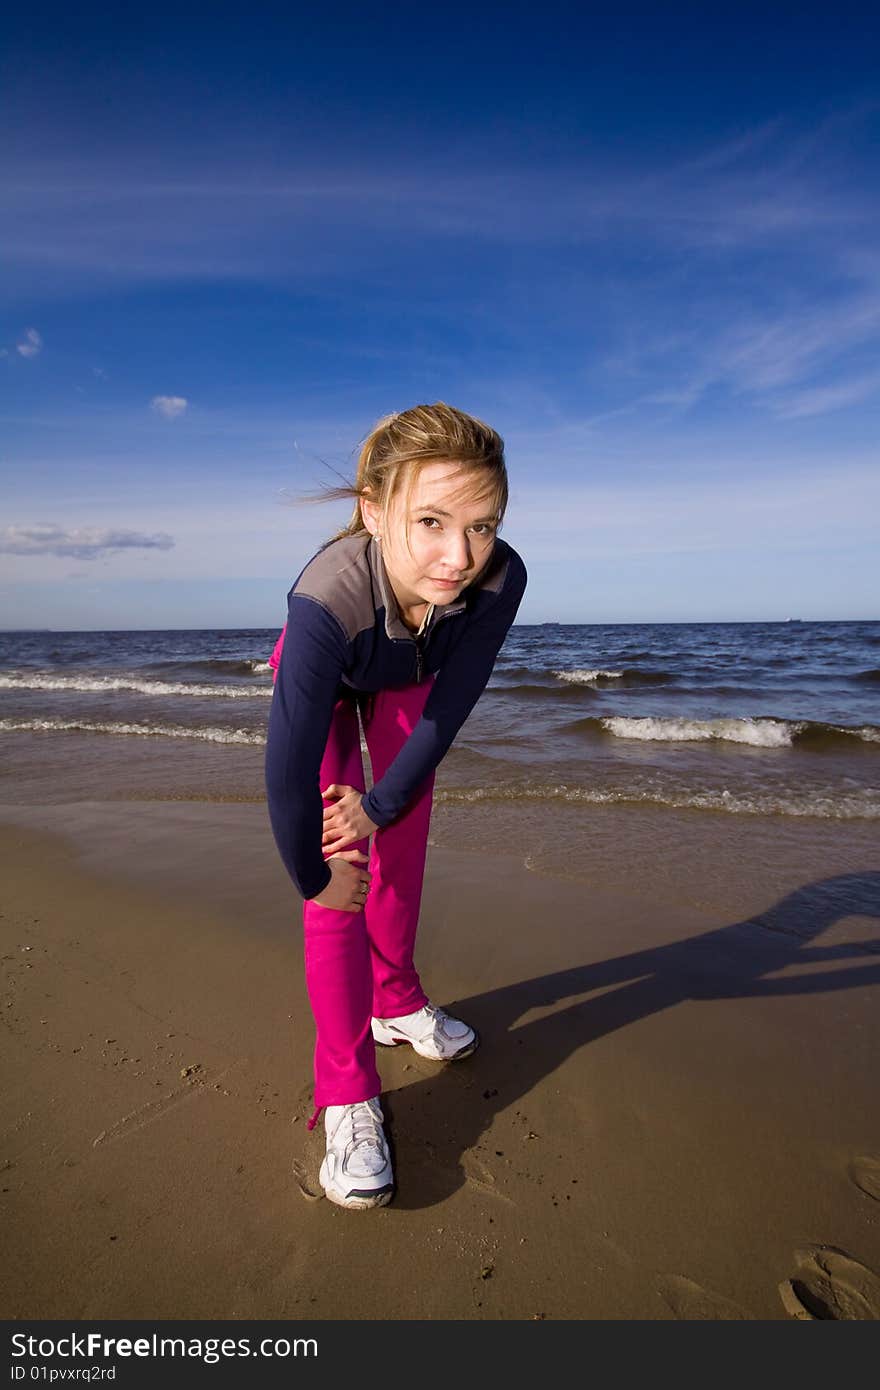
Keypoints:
(673, 1113)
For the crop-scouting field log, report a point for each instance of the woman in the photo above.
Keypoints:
(401, 616)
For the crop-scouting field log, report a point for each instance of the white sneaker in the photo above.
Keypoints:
(432, 1033)
(356, 1171)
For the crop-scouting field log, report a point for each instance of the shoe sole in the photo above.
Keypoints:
(466, 1051)
(360, 1201)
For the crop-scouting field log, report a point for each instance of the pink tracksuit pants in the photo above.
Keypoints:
(360, 964)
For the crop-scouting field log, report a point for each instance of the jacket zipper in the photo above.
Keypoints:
(420, 665)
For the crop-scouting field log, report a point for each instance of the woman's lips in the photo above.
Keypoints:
(447, 583)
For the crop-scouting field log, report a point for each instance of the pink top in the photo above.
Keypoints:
(275, 658)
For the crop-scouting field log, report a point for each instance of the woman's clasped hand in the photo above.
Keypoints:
(345, 822)
(348, 888)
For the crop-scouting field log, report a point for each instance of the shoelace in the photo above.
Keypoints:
(365, 1127)
(310, 1124)
(436, 1016)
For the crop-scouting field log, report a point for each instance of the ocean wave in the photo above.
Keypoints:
(758, 733)
(770, 733)
(540, 692)
(85, 726)
(582, 675)
(671, 693)
(751, 803)
(220, 667)
(629, 676)
(101, 685)
(124, 729)
(871, 677)
(577, 679)
(511, 672)
(818, 735)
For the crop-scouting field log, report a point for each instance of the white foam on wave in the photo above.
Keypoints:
(764, 733)
(751, 803)
(582, 675)
(100, 685)
(84, 726)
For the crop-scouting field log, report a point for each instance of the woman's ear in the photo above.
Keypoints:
(370, 511)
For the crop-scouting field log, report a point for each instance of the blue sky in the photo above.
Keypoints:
(644, 247)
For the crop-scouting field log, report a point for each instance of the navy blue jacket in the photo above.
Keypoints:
(345, 634)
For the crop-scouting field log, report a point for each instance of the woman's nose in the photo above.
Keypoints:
(457, 553)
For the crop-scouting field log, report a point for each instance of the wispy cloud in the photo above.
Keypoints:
(781, 358)
(818, 400)
(31, 344)
(779, 352)
(198, 219)
(169, 406)
(85, 543)
(745, 269)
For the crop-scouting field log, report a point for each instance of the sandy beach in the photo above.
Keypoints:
(673, 1112)
(495, 389)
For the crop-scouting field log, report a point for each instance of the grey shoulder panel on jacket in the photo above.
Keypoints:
(340, 578)
(495, 577)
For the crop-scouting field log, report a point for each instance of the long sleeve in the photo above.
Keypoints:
(457, 687)
(307, 679)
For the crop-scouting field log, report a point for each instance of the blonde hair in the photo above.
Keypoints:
(398, 447)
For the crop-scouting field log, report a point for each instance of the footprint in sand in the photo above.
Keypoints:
(307, 1183)
(482, 1178)
(830, 1285)
(865, 1173)
(305, 1168)
(690, 1301)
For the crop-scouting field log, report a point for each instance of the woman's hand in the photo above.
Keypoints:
(348, 888)
(346, 822)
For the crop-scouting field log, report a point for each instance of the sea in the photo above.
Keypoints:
(775, 722)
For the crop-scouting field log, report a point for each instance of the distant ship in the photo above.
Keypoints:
(794, 620)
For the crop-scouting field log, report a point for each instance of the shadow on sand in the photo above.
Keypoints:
(438, 1120)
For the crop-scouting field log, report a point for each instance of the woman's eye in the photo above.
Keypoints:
(482, 528)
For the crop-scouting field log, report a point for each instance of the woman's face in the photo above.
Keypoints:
(451, 532)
